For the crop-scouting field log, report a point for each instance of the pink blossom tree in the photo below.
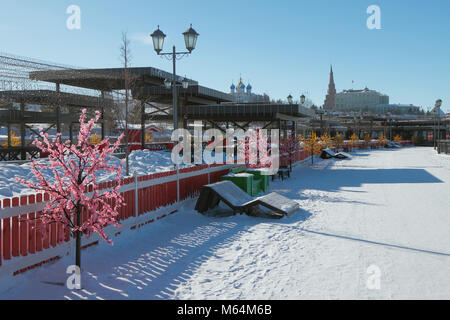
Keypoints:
(256, 150)
(73, 190)
(289, 147)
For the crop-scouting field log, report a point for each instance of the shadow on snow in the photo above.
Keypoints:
(171, 258)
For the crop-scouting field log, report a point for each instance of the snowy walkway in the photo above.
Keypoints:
(388, 208)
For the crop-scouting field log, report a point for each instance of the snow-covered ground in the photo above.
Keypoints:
(142, 162)
(385, 209)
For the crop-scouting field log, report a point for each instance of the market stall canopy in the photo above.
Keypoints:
(106, 79)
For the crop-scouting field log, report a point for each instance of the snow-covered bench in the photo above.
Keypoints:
(328, 154)
(240, 202)
(283, 172)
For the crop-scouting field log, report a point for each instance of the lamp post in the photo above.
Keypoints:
(190, 39)
(389, 120)
(434, 128)
(321, 112)
(437, 111)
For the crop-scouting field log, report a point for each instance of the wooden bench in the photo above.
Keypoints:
(240, 202)
(282, 172)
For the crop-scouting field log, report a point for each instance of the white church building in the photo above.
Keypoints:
(243, 93)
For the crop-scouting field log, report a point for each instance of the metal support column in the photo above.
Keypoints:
(9, 134)
(23, 153)
(102, 101)
(142, 124)
(58, 112)
(71, 132)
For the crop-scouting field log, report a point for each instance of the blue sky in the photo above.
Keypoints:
(281, 47)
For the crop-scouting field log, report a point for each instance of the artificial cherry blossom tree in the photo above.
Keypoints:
(75, 199)
(289, 147)
(257, 149)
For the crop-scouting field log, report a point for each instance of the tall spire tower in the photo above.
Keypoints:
(330, 99)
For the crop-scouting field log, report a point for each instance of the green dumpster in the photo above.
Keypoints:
(260, 180)
(239, 169)
(242, 180)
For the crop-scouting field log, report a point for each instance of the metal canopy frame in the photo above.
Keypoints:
(148, 87)
(24, 118)
(105, 79)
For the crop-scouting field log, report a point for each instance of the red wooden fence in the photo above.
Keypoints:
(22, 246)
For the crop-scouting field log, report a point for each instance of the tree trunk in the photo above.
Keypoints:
(290, 161)
(78, 241)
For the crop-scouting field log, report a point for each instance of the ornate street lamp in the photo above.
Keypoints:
(185, 83)
(289, 98)
(190, 39)
(302, 99)
(158, 40)
(320, 112)
(167, 84)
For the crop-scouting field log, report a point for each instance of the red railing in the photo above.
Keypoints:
(296, 157)
(301, 155)
(23, 246)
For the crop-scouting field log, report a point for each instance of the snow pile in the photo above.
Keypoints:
(145, 162)
(142, 162)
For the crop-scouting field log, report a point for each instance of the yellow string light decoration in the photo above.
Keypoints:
(339, 140)
(382, 139)
(148, 138)
(15, 141)
(327, 142)
(355, 139)
(367, 139)
(312, 145)
(398, 138)
(95, 139)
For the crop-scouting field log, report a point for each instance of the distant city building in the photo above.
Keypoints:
(440, 112)
(398, 108)
(243, 93)
(356, 100)
(330, 99)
